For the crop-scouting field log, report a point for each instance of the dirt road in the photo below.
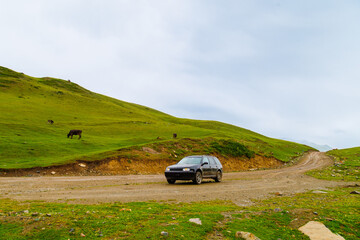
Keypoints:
(239, 187)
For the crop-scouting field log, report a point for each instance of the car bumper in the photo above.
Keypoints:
(180, 175)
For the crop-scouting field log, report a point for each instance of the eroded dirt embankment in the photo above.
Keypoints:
(239, 187)
(147, 161)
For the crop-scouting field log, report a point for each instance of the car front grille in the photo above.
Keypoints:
(175, 169)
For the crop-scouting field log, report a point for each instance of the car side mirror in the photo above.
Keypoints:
(204, 163)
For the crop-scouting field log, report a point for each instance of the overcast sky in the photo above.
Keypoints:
(285, 69)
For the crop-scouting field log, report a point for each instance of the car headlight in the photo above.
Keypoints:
(186, 169)
(167, 169)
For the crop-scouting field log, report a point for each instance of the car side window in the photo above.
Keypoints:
(212, 161)
(205, 159)
(217, 161)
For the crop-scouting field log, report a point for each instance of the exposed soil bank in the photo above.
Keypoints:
(154, 158)
(125, 166)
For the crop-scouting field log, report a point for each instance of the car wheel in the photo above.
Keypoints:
(171, 181)
(198, 177)
(218, 176)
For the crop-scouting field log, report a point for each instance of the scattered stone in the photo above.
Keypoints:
(329, 219)
(278, 210)
(315, 213)
(195, 220)
(37, 171)
(150, 150)
(72, 230)
(318, 191)
(246, 236)
(279, 194)
(53, 173)
(165, 234)
(318, 231)
(173, 218)
(82, 235)
(125, 209)
(26, 211)
(35, 214)
(82, 165)
(48, 215)
(355, 192)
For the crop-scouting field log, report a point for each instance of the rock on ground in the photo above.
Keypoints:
(163, 233)
(246, 236)
(318, 191)
(195, 220)
(318, 231)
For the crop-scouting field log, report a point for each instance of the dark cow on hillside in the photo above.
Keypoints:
(51, 121)
(74, 132)
(174, 135)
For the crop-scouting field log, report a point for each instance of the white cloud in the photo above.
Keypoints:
(283, 69)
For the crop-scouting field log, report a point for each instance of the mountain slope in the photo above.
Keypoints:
(345, 168)
(28, 140)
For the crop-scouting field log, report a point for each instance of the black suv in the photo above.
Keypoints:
(195, 168)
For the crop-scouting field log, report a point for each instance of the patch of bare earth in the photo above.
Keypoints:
(144, 161)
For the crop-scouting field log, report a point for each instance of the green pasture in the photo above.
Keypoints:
(27, 140)
(278, 217)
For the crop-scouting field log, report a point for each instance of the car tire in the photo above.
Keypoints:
(198, 177)
(218, 176)
(171, 181)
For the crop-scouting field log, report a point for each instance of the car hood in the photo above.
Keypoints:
(183, 166)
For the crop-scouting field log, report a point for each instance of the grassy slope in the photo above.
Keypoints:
(348, 157)
(27, 140)
(346, 167)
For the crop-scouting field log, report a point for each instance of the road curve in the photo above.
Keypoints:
(239, 187)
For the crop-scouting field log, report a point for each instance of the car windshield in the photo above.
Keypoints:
(190, 160)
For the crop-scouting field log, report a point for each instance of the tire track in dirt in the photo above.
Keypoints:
(239, 187)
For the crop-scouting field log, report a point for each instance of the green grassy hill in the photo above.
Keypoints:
(346, 165)
(28, 140)
(348, 156)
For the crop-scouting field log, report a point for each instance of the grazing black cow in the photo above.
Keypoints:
(51, 121)
(74, 132)
(174, 135)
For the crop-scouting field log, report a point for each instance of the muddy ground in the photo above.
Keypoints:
(239, 187)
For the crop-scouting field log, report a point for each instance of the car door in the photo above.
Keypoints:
(206, 167)
(214, 166)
